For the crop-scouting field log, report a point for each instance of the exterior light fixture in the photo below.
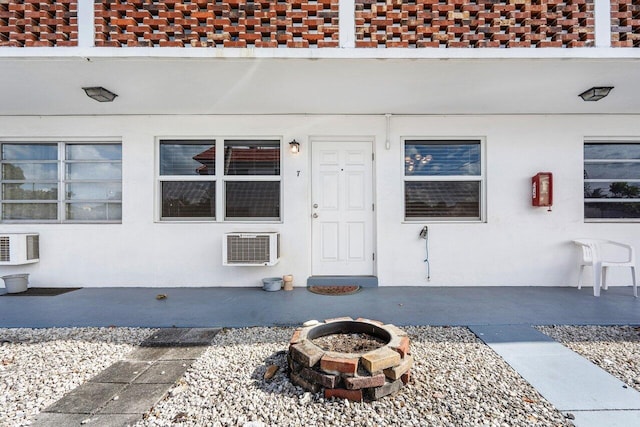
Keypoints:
(99, 93)
(595, 93)
(294, 147)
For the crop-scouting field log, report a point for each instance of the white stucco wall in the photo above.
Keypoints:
(518, 245)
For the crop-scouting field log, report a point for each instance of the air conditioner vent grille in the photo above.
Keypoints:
(5, 249)
(33, 247)
(248, 250)
(251, 249)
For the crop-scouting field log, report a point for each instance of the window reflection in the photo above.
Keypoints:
(94, 191)
(30, 191)
(30, 171)
(94, 171)
(94, 152)
(613, 170)
(442, 199)
(30, 211)
(29, 152)
(611, 180)
(439, 159)
(185, 199)
(252, 199)
(251, 158)
(612, 210)
(443, 179)
(258, 199)
(601, 151)
(186, 158)
(31, 181)
(94, 211)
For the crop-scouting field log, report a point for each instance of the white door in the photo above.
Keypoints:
(342, 208)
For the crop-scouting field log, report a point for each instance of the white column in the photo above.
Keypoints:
(86, 29)
(602, 11)
(347, 16)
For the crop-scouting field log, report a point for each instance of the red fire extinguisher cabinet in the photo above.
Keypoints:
(542, 189)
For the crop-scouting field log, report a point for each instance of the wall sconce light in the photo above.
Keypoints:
(595, 93)
(294, 147)
(100, 94)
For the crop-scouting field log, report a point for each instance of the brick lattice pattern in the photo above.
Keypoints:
(625, 23)
(214, 23)
(38, 23)
(315, 23)
(474, 23)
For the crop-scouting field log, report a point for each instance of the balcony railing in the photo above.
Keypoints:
(364, 24)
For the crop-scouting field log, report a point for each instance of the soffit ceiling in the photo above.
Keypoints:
(53, 86)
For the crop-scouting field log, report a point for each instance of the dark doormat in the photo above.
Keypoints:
(42, 292)
(334, 290)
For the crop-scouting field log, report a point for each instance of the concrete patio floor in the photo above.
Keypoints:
(243, 307)
(500, 316)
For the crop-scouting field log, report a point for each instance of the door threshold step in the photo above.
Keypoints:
(362, 281)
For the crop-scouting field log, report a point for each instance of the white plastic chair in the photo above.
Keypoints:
(593, 253)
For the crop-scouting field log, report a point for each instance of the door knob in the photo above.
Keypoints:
(315, 205)
(315, 215)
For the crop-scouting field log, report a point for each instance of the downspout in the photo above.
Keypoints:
(387, 143)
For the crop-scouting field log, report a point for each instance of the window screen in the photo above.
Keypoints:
(443, 180)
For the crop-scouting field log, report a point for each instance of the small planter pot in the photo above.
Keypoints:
(16, 283)
(272, 284)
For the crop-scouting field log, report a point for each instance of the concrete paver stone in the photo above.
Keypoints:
(124, 371)
(51, 419)
(163, 372)
(136, 399)
(87, 398)
(148, 354)
(199, 336)
(179, 337)
(164, 338)
(606, 418)
(48, 419)
(182, 353)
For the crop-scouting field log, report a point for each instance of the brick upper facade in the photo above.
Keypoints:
(233, 23)
(474, 23)
(316, 23)
(625, 23)
(38, 23)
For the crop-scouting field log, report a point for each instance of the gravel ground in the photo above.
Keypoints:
(616, 349)
(456, 381)
(38, 366)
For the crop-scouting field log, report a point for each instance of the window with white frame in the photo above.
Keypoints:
(236, 180)
(443, 180)
(61, 182)
(188, 179)
(612, 180)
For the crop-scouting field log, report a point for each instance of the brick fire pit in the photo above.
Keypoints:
(381, 369)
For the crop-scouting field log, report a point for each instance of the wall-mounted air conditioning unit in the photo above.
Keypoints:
(251, 249)
(19, 248)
